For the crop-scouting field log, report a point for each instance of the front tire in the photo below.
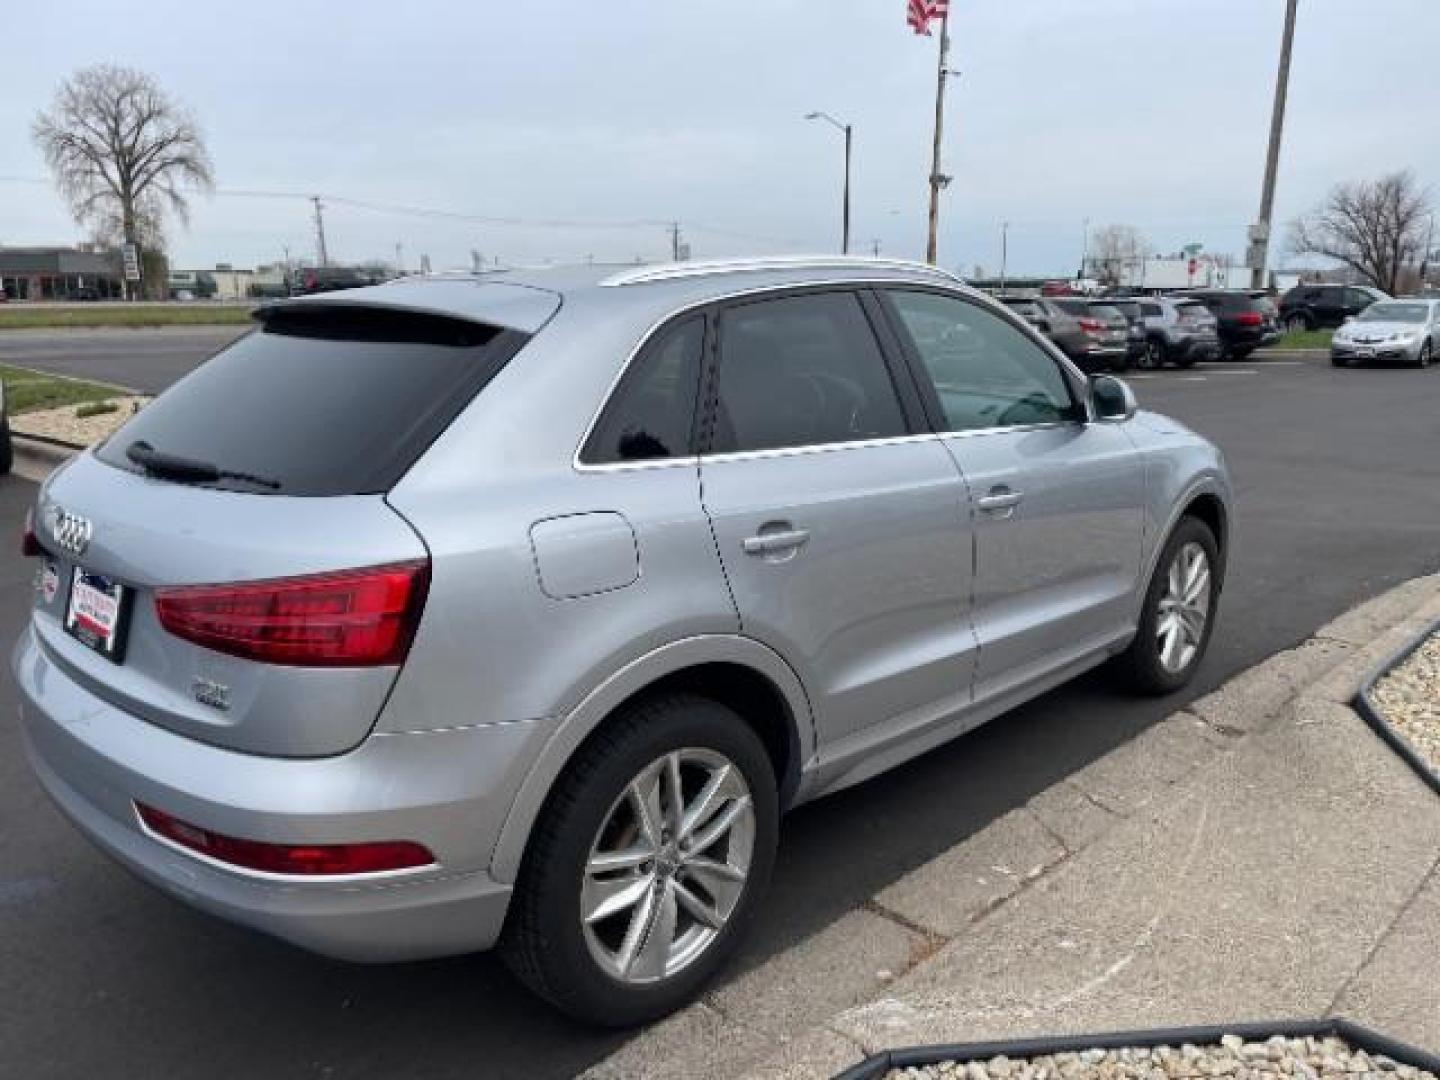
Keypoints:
(1179, 612)
(646, 864)
(1424, 357)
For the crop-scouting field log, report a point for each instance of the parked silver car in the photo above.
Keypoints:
(1407, 331)
(1178, 331)
(517, 608)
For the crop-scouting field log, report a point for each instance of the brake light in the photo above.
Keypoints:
(310, 860)
(1249, 318)
(352, 618)
(1093, 326)
(29, 542)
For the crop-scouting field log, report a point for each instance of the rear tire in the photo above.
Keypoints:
(555, 939)
(1175, 600)
(1155, 354)
(7, 447)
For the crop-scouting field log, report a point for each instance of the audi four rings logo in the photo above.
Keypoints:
(71, 531)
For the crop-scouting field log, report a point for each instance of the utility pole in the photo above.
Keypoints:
(937, 179)
(875, 249)
(674, 241)
(1004, 252)
(1260, 231)
(1084, 246)
(320, 231)
(399, 259)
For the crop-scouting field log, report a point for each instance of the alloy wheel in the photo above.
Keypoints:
(668, 865)
(1184, 608)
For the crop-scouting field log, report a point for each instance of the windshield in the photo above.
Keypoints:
(1411, 313)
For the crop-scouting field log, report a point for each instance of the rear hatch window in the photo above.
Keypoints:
(320, 400)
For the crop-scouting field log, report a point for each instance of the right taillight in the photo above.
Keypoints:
(1249, 318)
(1092, 326)
(348, 618)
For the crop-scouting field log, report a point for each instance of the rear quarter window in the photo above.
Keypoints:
(322, 401)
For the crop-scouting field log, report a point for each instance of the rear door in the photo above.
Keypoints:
(843, 527)
(1058, 501)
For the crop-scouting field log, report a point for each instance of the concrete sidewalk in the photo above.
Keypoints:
(1258, 855)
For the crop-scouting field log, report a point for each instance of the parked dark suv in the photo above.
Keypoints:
(1310, 307)
(1246, 320)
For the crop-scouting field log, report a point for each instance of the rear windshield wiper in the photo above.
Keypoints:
(175, 467)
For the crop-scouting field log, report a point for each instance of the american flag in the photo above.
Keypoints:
(918, 13)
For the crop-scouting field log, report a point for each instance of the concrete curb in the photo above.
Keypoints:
(1373, 715)
(783, 1019)
(37, 458)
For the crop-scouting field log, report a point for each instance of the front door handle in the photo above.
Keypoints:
(775, 543)
(1000, 501)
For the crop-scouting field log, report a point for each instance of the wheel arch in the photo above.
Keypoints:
(740, 672)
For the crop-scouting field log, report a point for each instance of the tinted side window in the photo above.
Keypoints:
(986, 372)
(801, 371)
(652, 412)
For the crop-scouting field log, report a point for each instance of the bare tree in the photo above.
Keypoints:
(1115, 247)
(1375, 227)
(122, 153)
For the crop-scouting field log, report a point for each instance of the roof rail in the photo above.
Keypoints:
(670, 271)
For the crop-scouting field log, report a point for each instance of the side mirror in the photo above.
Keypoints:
(1111, 399)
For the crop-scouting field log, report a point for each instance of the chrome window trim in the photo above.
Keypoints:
(696, 305)
(379, 876)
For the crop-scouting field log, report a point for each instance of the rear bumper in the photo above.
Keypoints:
(448, 790)
(1199, 348)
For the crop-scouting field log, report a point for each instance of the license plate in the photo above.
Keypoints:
(97, 612)
(1365, 354)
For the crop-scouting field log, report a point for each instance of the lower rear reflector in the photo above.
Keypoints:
(309, 860)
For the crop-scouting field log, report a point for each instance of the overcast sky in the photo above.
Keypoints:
(1150, 112)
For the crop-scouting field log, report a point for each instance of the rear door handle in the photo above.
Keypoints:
(775, 543)
(1000, 499)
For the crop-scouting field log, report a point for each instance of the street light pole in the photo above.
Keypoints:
(1260, 231)
(848, 132)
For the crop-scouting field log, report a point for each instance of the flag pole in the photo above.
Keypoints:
(937, 181)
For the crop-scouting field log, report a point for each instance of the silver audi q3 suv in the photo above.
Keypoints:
(514, 609)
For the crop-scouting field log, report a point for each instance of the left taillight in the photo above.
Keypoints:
(29, 542)
(349, 618)
(307, 860)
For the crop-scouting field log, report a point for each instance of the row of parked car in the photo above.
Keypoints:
(1119, 332)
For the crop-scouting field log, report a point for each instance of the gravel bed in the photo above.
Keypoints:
(62, 423)
(1233, 1057)
(1408, 699)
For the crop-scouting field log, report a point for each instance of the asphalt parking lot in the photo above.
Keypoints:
(142, 359)
(1338, 476)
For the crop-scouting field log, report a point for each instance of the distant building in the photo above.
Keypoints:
(60, 273)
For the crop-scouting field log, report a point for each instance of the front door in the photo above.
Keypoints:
(1058, 501)
(843, 530)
